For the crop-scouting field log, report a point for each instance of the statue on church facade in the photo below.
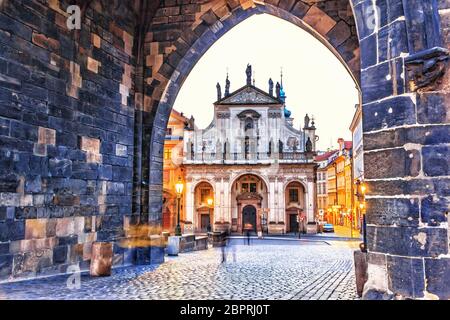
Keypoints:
(271, 87)
(219, 92)
(278, 89)
(227, 87)
(309, 145)
(248, 72)
(307, 120)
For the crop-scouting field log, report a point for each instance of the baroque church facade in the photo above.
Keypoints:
(250, 169)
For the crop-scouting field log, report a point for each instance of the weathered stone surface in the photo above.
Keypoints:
(406, 276)
(436, 161)
(437, 273)
(392, 163)
(433, 108)
(388, 211)
(360, 271)
(422, 242)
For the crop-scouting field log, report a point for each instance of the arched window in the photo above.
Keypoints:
(249, 125)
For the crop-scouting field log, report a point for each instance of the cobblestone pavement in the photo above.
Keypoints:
(264, 270)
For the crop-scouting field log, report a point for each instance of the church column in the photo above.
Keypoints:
(226, 200)
(272, 214)
(310, 200)
(189, 223)
(280, 199)
(217, 201)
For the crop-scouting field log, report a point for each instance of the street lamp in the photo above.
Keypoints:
(179, 189)
(360, 193)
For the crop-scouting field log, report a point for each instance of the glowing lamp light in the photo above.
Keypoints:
(209, 201)
(179, 186)
(361, 206)
(363, 189)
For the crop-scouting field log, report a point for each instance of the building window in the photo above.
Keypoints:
(167, 154)
(168, 131)
(293, 195)
(252, 187)
(248, 124)
(204, 195)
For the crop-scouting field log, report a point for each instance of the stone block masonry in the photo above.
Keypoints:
(406, 149)
(66, 128)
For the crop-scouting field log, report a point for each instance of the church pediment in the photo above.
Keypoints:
(249, 95)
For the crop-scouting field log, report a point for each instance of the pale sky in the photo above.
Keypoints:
(315, 81)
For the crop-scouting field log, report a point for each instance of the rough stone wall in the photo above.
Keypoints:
(183, 30)
(66, 137)
(406, 140)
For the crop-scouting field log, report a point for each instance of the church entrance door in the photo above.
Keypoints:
(293, 223)
(249, 218)
(205, 222)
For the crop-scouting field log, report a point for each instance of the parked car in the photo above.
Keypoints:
(328, 227)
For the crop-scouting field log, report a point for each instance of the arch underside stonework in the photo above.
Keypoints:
(86, 111)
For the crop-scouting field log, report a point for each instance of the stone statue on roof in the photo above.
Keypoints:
(248, 71)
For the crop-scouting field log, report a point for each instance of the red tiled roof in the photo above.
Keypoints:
(324, 156)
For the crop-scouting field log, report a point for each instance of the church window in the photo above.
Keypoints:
(245, 187)
(204, 195)
(252, 187)
(293, 195)
(248, 124)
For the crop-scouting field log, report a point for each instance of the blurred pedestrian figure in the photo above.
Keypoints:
(224, 253)
(208, 228)
(248, 236)
(233, 252)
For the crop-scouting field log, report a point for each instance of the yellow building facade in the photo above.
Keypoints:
(173, 170)
(340, 185)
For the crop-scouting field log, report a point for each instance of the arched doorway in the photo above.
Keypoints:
(248, 191)
(249, 218)
(295, 200)
(203, 207)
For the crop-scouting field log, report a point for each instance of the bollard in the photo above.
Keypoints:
(101, 261)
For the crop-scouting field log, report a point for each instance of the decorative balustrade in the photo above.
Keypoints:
(258, 157)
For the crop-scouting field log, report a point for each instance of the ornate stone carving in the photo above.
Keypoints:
(223, 115)
(249, 113)
(274, 114)
(426, 68)
(249, 95)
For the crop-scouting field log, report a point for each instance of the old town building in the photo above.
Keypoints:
(339, 175)
(356, 128)
(322, 183)
(250, 168)
(173, 170)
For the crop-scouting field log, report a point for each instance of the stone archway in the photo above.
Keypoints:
(404, 121)
(174, 52)
(85, 121)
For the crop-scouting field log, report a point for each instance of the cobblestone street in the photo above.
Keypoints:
(268, 269)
